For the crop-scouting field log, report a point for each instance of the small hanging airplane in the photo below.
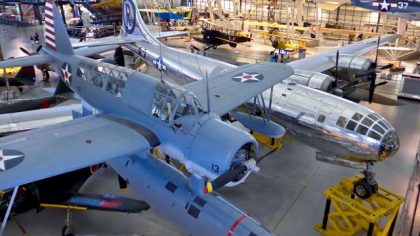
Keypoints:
(137, 113)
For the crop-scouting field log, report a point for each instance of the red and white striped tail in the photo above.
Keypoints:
(49, 26)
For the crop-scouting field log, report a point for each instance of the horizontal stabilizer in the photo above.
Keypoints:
(166, 34)
(258, 124)
(94, 50)
(107, 202)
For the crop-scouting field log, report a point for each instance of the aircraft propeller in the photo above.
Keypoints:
(28, 53)
(232, 174)
(373, 84)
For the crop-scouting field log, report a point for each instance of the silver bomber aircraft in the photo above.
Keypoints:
(136, 113)
(344, 132)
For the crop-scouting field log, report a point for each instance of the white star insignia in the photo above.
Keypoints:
(384, 5)
(245, 77)
(66, 74)
(4, 158)
(159, 64)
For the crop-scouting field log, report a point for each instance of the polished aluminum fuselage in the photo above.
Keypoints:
(295, 107)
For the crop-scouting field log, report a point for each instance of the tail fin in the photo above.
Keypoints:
(56, 37)
(133, 24)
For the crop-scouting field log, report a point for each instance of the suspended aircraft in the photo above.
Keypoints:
(352, 135)
(137, 113)
(406, 9)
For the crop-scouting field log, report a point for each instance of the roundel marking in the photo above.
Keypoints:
(129, 16)
(66, 73)
(248, 77)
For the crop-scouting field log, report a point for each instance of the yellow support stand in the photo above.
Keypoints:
(267, 141)
(377, 214)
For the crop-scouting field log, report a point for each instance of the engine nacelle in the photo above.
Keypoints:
(312, 79)
(218, 147)
(351, 67)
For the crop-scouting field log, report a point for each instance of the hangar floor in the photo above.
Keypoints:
(286, 195)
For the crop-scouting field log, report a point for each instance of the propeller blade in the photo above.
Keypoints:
(337, 56)
(38, 48)
(372, 87)
(373, 79)
(266, 155)
(377, 51)
(122, 184)
(25, 51)
(381, 83)
(224, 178)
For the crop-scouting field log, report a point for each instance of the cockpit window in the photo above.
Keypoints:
(361, 129)
(351, 125)
(368, 122)
(374, 135)
(378, 129)
(341, 121)
(170, 100)
(382, 124)
(373, 117)
(357, 116)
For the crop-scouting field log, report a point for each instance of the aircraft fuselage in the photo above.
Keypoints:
(297, 108)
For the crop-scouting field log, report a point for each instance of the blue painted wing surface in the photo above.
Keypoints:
(231, 88)
(107, 202)
(30, 156)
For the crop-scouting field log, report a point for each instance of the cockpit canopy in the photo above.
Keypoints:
(171, 102)
(372, 125)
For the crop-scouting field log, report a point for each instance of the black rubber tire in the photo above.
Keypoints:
(45, 75)
(64, 233)
(362, 189)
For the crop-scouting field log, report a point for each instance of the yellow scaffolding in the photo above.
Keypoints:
(377, 214)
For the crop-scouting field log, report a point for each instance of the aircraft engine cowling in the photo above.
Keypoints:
(219, 147)
(351, 67)
(312, 79)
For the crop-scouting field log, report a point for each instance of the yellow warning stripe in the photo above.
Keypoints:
(48, 205)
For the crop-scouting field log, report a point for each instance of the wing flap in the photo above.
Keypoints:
(57, 149)
(231, 88)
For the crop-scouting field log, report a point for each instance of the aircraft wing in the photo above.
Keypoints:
(112, 42)
(26, 61)
(325, 61)
(166, 34)
(37, 154)
(229, 89)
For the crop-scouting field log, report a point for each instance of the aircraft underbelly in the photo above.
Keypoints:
(166, 190)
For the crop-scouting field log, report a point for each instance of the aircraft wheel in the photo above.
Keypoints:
(45, 75)
(64, 231)
(362, 189)
(214, 46)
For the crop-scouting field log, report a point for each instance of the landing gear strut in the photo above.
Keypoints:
(365, 187)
